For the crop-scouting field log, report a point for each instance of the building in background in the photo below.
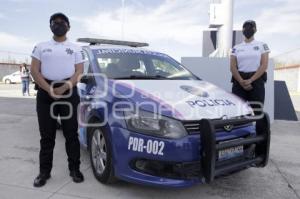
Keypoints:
(210, 41)
(14, 57)
(9, 68)
(221, 24)
(287, 68)
(10, 62)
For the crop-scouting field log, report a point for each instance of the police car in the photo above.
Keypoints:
(146, 119)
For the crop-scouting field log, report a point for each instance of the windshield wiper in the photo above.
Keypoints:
(141, 77)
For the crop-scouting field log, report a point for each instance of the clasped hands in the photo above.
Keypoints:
(246, 84)
(58, 92)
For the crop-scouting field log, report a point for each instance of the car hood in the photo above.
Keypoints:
(182, 99)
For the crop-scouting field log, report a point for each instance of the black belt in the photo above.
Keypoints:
(249, 75)
(57, 83)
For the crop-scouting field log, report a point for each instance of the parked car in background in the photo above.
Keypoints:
(14, 78)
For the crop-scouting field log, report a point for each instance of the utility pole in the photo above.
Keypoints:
(123, 19)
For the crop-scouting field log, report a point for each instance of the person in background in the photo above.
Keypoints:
(24, 73)
(248, 65)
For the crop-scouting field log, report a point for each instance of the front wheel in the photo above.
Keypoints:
(101, 156)
(7, 81)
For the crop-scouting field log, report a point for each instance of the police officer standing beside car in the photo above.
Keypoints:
(248, 65)
(56, 66)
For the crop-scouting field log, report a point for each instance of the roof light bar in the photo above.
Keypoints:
(93, 41)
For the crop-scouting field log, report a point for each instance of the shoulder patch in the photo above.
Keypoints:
(266, 47)
(34, 49)
(82, 54)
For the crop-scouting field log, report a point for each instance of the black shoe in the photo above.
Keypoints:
(41, 180)
(76, 176)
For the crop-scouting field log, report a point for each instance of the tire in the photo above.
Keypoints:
(100, 151)
(7, 81)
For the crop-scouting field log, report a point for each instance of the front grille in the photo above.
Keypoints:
(193, 127)
(173, 170)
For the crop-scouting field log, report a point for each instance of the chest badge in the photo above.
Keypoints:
(47, 50)
(69, 51)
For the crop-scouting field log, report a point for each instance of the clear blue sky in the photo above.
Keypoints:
(171, 26)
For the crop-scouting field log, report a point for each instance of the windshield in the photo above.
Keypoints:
(139, 64)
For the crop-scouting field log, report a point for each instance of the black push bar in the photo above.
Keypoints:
(209, 146)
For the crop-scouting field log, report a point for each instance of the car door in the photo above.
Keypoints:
(16, 77)
(86, 88)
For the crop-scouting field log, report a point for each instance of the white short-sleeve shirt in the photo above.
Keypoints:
(248, 55)
(58, 59)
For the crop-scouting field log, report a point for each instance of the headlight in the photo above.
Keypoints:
(153, 124)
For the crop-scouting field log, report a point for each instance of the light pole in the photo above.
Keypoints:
(123, 19)
(221, 18)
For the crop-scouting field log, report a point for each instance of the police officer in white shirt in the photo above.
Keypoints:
(248, 65)
(56, 66)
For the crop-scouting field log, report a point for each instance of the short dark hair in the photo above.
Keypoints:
(249, 22)
(61, 16)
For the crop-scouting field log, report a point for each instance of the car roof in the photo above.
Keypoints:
(143, 50)
(102, 44)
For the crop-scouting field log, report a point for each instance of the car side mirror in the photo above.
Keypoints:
(85, 79)
(81, 88)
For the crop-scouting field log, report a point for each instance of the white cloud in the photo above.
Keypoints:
(20, 1)
(278, 22)
(282, 19)
(174, 22)
(13, 41)
(16, 46)
(279, 25)
(176, 26)
(2, 16)
(21, 10)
